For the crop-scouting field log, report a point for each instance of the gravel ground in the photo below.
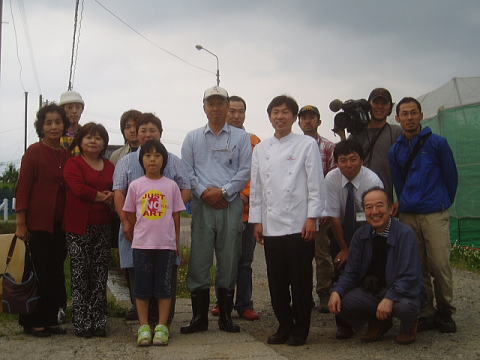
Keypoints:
(321, 344)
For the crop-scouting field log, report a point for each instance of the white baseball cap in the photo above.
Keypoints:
(70, 97)
(215, 91)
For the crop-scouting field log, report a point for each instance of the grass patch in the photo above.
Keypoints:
(182, 289)
(7, 227)
(466, 258)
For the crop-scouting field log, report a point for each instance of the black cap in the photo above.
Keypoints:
(308, 108)
(380, 92)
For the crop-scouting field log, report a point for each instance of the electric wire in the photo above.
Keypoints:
(29, 44)
(151, 41)
(78, 42)
(75, 20)
(16, 48)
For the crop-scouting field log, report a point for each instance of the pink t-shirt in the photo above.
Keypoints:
(154, 202)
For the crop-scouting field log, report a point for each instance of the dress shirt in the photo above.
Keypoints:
(128, 169)
(337, 191)
(221, 160)
(287, 185)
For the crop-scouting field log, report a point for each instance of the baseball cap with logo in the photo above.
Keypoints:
(309, 108)
(215, 91)
(380, 93)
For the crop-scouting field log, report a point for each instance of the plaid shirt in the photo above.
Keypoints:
(326, 148)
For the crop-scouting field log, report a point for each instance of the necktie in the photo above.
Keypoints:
(349, 218)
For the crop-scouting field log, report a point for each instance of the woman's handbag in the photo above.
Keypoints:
(19, 298)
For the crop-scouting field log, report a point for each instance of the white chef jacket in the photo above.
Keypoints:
(287, 184)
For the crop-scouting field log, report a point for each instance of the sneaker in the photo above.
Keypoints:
(445, 323)
(144, 335)
(249, 314)
(215, 310)
(161, 335)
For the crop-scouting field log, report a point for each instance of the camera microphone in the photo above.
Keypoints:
(336, 105)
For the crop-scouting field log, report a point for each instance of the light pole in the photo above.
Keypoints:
(200, 47)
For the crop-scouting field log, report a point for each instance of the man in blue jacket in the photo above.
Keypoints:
(425, 179)
(383, 276)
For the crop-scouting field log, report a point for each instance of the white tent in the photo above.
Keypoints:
(457, 92)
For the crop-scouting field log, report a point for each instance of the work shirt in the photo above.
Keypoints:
(221, 161)
(287, 184)
(337, 191)
(128, 169)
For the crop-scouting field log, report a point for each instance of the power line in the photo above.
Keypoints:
(75, 20)
(78, 42)
(151, 41)
(29, 43)
(16, 47)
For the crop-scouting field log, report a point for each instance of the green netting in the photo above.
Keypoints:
(461, 127)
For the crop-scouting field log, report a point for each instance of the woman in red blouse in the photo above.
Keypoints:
(40, 197)
(87, 221)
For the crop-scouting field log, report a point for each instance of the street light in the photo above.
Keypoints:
(200, 47)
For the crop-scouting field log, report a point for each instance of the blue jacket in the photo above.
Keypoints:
(403, 271)
(432, 182)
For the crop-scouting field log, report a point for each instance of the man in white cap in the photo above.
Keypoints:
(218, 158)
(73, 104)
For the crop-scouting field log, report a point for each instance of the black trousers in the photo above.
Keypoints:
(289, 270)
(48, 255)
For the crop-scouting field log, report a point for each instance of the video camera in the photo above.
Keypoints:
(354, 117)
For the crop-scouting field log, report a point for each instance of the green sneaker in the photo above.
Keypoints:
(144, 337)
(161, 335)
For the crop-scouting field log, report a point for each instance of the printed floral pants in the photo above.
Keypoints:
(89, 254)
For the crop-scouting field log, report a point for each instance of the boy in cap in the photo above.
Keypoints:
(73, 104)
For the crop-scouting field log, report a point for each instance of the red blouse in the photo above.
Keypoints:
(40, 188)
(83, 182)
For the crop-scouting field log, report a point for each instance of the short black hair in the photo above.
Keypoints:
(347, 147)
(283, 99)
(405, 100)
(237, 98)
(129, 115)
(159, 148)
(42, 114)
(147, 118)
(91, 128)
(376, 188)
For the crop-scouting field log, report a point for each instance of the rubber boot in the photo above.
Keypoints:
(225, 302)
(200, 304)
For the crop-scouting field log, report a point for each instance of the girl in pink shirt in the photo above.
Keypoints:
(153, 204)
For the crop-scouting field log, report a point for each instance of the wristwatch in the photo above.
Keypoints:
(224, 192)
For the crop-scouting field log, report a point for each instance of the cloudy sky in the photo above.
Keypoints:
(313, 50)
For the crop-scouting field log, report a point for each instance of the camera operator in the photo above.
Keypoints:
(378, 137)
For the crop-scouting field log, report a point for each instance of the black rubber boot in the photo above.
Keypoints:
(200, 304)
(225, 302)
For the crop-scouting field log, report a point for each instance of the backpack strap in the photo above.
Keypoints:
(413, 155)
